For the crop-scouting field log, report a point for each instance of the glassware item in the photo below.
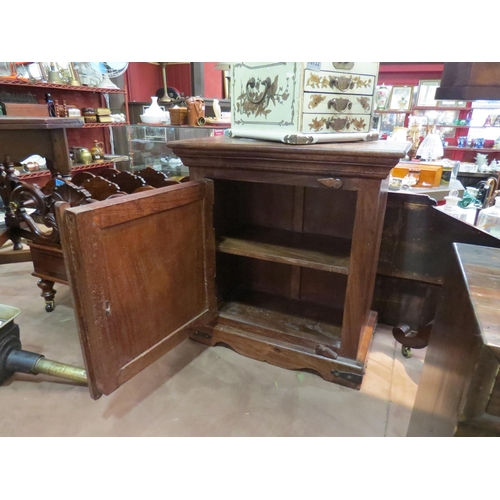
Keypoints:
(469, 199)
(381, 96)
(451, 206)
(395, 183)
(98, 152)
(479, 143)
(431, 147)
(50, 105)
(489, 219)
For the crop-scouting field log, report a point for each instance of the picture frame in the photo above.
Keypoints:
(401, 98)
(427, 92)
(451, 104)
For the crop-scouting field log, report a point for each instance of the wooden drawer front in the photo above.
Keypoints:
(336, 82)
(336, 103)
(364, 68)
(256, 103)
(342, 123)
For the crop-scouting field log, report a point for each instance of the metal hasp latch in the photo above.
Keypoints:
(14, 359)
(352, 377)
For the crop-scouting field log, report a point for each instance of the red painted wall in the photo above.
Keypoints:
(179, 77)
(143, 80)
(408, 73)
(213, 80)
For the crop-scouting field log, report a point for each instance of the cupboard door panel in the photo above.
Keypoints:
(141, 269)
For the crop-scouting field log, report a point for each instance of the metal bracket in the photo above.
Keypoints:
(204, 335)
(352, 377)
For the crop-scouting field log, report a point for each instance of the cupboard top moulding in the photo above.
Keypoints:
(371, 159)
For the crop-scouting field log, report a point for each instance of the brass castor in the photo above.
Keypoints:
(412, 339)
(48, 293)
(406, 351)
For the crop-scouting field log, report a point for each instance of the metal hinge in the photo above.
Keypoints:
(207, 336)
(352, 377)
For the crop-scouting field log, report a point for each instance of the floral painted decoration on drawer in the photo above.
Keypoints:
(255, 101)
(338, 82)
(337, 124)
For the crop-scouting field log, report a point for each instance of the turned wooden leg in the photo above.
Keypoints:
(48, 293)
(17, 241)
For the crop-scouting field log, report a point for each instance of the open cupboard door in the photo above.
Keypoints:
(141, 270)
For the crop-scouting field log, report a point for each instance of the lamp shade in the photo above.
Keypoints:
(431, 147)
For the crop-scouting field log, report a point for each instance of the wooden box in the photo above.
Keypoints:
(303, 103)
(429, 175)
(178, 116)
(25, 109)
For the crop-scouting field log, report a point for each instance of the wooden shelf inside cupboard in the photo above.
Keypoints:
(325, 253)
(303, 323)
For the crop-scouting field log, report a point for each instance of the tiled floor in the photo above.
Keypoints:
(195, 390)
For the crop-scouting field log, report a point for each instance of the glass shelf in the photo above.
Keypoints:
(60, 86)
(148, 145)
(478, 150)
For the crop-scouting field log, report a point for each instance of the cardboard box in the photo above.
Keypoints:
(429, 175)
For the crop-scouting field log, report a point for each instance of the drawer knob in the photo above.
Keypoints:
(251, 84)
(331, 182)
(342, 83)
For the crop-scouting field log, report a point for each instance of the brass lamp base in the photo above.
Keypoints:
(14, 359)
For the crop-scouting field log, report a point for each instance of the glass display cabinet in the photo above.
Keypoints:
(148, 145)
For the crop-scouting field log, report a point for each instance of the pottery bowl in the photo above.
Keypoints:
(151, 119)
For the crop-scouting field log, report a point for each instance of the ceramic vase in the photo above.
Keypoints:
(381, 96)
(154, 109)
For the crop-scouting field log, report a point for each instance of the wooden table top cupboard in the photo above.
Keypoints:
(271, 249)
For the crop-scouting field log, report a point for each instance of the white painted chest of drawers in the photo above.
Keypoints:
(303, 103)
